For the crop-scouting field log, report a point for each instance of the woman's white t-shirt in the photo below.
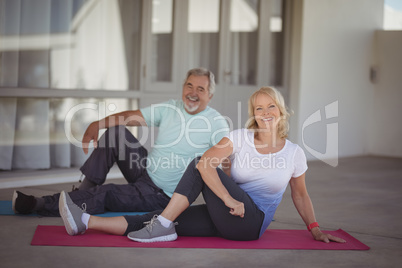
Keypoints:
(264, 177)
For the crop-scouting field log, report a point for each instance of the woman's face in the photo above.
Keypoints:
(266, 112)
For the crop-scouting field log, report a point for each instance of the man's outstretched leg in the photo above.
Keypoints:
(143, 195)
(118, 146)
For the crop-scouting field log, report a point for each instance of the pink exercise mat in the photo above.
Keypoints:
(46, 235)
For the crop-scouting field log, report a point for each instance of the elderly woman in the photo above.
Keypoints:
(240, 199)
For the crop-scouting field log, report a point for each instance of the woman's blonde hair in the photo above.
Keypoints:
(283, 125)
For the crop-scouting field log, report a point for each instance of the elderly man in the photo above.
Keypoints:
(187, 128)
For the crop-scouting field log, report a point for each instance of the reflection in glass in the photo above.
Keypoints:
(203, 34)
(47, 133)
(277, 43)
(244, 40)
(60, 44)
(162, 40)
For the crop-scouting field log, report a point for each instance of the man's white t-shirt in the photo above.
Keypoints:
(264, 177)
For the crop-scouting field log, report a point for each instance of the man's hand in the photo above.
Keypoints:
(90, 134)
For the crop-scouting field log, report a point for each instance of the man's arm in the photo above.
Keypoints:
(126, 118)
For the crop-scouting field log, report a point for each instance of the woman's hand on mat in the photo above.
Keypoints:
(90, 134)
(320, 236)
(236, 207)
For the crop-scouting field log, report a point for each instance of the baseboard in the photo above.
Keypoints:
(16, 179)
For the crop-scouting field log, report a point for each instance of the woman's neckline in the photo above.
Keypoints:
(276, 152)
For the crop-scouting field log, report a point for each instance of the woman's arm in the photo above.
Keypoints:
(226, 166)
(304, 206)
(207, 165)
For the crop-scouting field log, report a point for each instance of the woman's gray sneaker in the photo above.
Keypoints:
(71, 215)
(154, 232)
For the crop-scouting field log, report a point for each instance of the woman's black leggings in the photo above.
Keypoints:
(212, 218)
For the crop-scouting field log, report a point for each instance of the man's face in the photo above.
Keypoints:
(196, 94)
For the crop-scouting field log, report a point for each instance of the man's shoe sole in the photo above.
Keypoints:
(15, 196)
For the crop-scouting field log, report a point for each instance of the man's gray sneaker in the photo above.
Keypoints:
(71, 215)
(154, 232)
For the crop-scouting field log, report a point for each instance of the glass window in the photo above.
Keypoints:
(70, 44)
(276, 43)
(162, 40)
(46, 133)
(203, 34)
(243, 48)
(392, 15)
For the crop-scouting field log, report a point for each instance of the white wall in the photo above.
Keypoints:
(386, 111)
(335, 57)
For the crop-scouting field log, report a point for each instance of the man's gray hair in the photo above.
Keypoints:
(203, 72)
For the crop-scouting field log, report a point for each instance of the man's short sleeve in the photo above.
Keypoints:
(153, 114)
(220, 129)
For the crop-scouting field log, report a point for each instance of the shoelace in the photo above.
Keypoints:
(84, 207)
(151, 223)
